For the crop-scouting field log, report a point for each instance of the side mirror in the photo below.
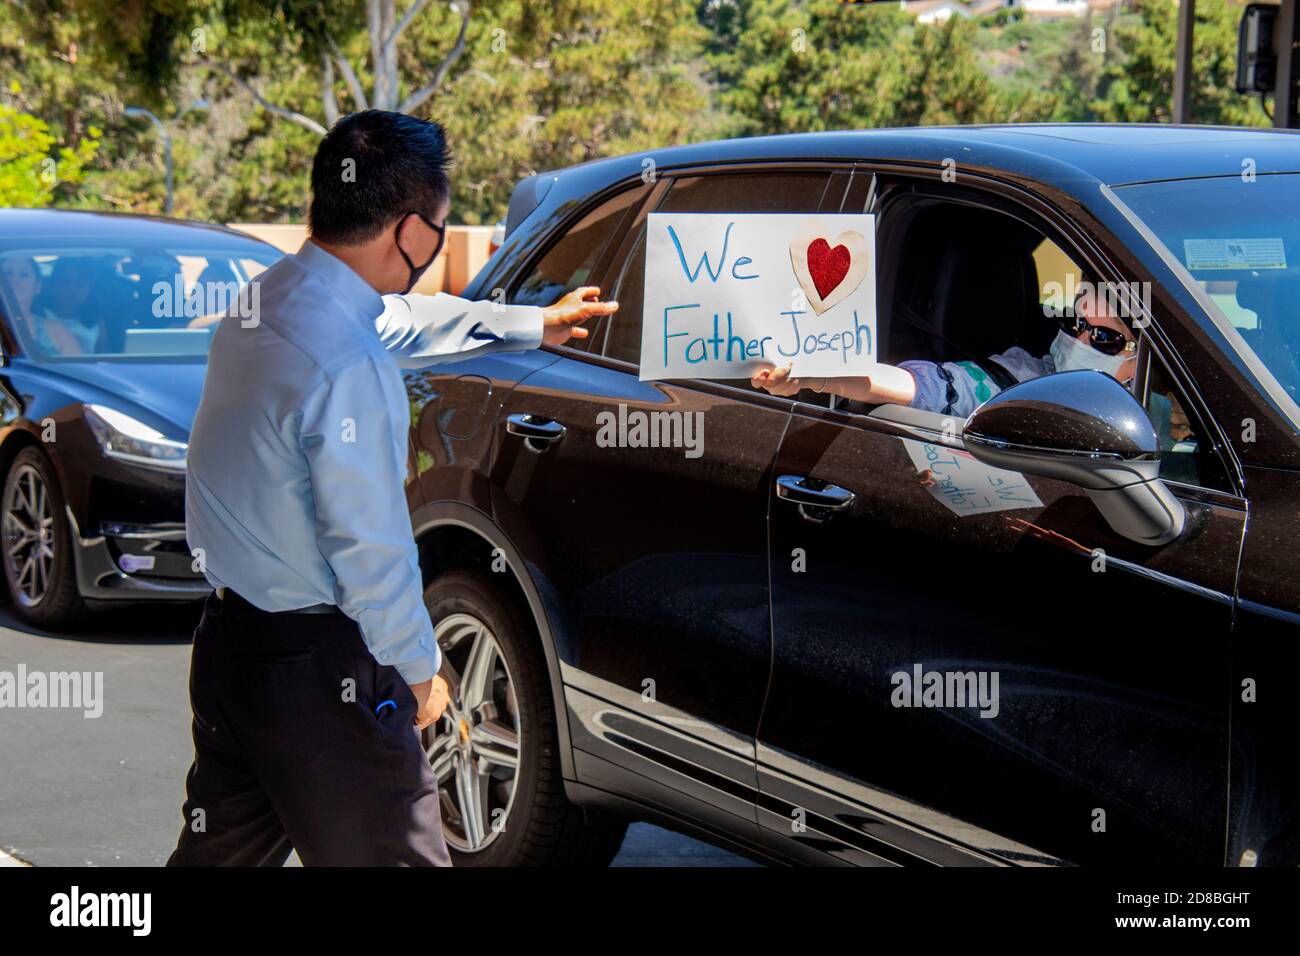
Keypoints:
(1086, 428)
(1256, 56)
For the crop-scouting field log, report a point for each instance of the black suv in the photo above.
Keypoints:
(788, 640)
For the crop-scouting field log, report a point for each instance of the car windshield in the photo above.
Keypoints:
(1239, 237)
(151, 298)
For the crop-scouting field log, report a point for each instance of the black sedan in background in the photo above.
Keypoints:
(1061, 632)
(100, 376)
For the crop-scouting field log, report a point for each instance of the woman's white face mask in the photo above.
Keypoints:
(1068, 354)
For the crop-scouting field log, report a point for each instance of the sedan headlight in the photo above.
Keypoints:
(122, 437)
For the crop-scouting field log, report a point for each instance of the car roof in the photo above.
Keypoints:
(1068, 155)
(43, 224)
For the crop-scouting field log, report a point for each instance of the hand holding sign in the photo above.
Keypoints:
(727, 295)
(880, 383)
(778, 382)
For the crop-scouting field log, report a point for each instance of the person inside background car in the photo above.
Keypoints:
(75, 294)
(51, 334)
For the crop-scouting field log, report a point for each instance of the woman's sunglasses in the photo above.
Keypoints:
(1104, 340)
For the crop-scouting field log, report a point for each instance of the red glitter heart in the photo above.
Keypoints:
(827, 266)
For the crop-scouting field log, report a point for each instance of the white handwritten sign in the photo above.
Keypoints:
(728, 294)
(965, 485)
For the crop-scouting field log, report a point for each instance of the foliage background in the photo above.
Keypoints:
(541, 85)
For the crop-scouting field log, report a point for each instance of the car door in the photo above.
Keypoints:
(1083, 711)
(642, 508)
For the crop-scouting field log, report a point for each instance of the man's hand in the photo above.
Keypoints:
(560, 321)
(431, 700)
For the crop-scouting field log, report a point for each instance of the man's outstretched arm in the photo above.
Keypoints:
(422, 330)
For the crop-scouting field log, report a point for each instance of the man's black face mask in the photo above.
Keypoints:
(417, 271)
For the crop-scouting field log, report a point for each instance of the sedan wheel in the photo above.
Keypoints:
(40, 572)
(29, 541)
(475, 752)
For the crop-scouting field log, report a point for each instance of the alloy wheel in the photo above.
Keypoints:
(28, 532)
(476, 749)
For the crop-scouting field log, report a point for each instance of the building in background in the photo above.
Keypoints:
(941, 11)
(937, 11)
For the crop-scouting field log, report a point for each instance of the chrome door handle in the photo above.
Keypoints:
(824, 500)
(537, 432)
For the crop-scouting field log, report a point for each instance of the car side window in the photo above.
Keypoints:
(793, 191)
(1185, 454)
(966, 282)
(572, 261)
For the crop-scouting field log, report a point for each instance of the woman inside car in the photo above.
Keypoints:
(1091, 335)
(22, 281)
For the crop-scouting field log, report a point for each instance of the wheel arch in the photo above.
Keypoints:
(450, 535)
(26, 435)
(14, 441)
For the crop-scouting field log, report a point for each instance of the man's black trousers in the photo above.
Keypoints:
(297, 747)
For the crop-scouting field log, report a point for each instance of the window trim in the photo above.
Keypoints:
(1149, 352)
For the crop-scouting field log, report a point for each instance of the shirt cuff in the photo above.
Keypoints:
(927, 396)
(521, 327)
(421, 669)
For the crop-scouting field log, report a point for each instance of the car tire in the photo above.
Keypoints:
(40, 573)
(540, 826)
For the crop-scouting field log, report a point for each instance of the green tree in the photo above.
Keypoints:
(520, 86)
(943, 83)
(782, 66)
(1082, 63)
(32, 168)
(74, 79)
(524, 86)
(1137, 85)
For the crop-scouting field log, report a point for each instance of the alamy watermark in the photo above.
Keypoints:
(171, 301)
(75, 690)
(642, 429)
(1126, 300)
(129, 910)
(946, 689)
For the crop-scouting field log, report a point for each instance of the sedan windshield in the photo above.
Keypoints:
(149, 298)
(1239, 237)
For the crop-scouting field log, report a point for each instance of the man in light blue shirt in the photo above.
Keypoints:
(315, 661)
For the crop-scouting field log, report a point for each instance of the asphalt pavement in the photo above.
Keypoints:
(107, 790)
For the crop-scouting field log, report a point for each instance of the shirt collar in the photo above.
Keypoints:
(351, 288)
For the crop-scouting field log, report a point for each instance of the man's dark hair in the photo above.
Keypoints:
(371, 169)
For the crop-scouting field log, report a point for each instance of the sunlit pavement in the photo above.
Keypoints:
(108, 791)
